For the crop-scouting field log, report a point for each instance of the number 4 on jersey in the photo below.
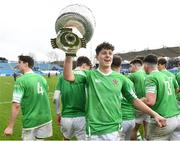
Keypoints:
(39, 88)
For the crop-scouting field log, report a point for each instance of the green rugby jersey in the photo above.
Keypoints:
(171, 77)
(138, 78)
(178, 80)
(31, 91)
(73, 96)
(160, 84)
(128, 110)
(103, 105)
(178, 77)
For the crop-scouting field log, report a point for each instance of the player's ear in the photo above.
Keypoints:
(26, 64)
(96, 57)
(83, 65)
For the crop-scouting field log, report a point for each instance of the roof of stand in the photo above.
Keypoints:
(165, 51)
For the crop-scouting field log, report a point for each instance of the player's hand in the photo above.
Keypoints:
(72, 52)
(59, 119)
(8, 131)
(161, 121)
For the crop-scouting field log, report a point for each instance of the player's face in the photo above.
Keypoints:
(21, 65)
(132, 67)
(105, 57)
(146, 67)
(160, 67)
(85, 67)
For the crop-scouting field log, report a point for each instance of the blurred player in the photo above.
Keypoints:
(128, 111)
(73, 100)
(138, 76)
(162, 64)
(160, 96)
(104, 94)
(31, 94)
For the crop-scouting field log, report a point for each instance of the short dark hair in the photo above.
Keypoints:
(104, 45)
(27, 59)
(151, 58)
(116, 61)
(136, 61)
(162, 61)
(83, 59)
(140, 58)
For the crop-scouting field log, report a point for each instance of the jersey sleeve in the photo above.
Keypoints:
(18, 92)
(150, 86)
(178, 78)
(128, 90)
(80, 76)
(175, 83)
(131, 77)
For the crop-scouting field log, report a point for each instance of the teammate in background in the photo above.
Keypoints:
(104, 95)
(49, 74)
(128, 111)
(160, 96)
(138, 76)
(15, 76)
(31, 95)
(140, 58)
(73, 100)
(162, 64)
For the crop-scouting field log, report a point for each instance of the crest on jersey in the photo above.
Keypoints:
(115, 82)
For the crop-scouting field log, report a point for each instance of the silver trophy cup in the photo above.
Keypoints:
(74, 28)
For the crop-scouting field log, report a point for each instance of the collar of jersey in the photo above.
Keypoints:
(28, 72)
(105, 74)
(77, 69)
(154, 71)
(164, 70)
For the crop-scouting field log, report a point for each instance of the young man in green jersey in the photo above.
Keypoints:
(73, 100)
(160, 96)
(31, 95)
(162, 64)
(138, 76)
(104, 95)
(128, 111)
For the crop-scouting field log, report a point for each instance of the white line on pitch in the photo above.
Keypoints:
(5, 102)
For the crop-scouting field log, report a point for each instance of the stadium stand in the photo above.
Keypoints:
(165, 51)
(9, 68)
(6, 70)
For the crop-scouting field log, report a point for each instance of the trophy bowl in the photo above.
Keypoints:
(74, 28)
